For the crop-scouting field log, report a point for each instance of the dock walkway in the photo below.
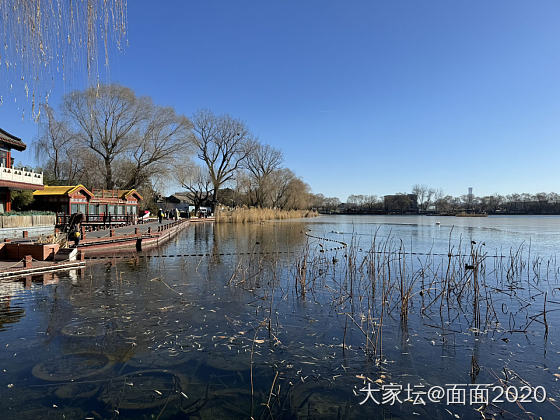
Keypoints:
(106, 242)
(140, 228)
(126, 230)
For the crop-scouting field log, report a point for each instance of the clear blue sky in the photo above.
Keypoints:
(365, 97)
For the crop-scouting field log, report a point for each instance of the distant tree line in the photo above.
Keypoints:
(524, 203)
(426, 200)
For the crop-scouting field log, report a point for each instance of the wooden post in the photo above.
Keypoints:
(8, 201)
(83, 229)
(81, 255)
(27, 261)
(149, 229)
(25, 234)
(112, 232)
(136, 231)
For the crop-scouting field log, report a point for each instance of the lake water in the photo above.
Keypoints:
(282, 320)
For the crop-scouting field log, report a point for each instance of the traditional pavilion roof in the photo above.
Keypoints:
(61, 190)
(11, 140)
(98, 194)
(125, 193)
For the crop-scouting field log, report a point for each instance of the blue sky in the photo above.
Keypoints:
(363, 97)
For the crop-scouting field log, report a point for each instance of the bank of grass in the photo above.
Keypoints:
(244, 215)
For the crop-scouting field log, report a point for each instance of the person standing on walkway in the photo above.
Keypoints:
(75, 228)
(160, 215)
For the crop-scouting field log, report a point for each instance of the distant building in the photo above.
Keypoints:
(470, 198)
(179, 201)
(401, 203)
(13, 178)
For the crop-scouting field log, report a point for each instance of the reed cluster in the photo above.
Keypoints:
(465, 288)
(372, 288)
(469, 288)
(249, 215)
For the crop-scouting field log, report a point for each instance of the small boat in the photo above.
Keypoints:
(438, 223)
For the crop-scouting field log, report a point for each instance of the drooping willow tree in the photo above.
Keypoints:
(47, 40)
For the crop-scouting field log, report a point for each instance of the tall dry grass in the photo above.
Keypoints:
(244, 215)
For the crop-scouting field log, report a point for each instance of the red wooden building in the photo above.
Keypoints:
(13, 178)
(99, 206)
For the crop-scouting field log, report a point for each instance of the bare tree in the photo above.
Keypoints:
(429, 197)
(198, 183)
(438, 196)
(242, 189)
(331, 203)
(160, 143)
(297, 195)
(55, 149)
(288, 191)
(281, 186)
(126, 132)
(261, 163)
(421, 192)
(223, 144)
(106, 118)
(446, 203)
(355, 199)
(552, 197)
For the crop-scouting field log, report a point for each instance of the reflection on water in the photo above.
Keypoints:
(8, 313)
(230, 335)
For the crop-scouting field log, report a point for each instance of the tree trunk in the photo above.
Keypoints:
(109, 184)
(214, 197)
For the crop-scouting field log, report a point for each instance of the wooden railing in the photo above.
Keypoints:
(98, 219)
(99, 193)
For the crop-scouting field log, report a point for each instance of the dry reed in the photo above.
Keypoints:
(245, 215)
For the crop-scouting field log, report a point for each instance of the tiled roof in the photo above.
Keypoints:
(69, 189)
(125, 193)
(61, 190)
(11, 140)
(182, 196)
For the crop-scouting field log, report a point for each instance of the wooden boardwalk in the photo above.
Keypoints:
(138, 237)
(102, 242)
